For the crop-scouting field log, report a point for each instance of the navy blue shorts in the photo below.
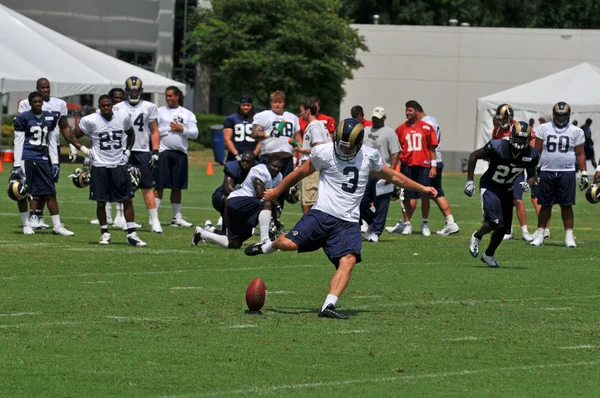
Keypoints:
(437, 181)
(557, 188)
(498, 209)
(338, 238)
(218, 198)
(172, 171)
(242, 216)
(141, 160)
(110, 184)
(419, 174)
(517, 192)
(38, 177)
(589, 152)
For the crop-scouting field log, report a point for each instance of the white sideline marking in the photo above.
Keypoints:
(279, 292)
(401, 378)
(21, 314)
(186, 288)
(97, 282)
(365, 297)
(578, 347)
(558, 309)
(43, 324)
(490, 301)
(348, 331)
(467, 338)
(239, 327)
(139, 318)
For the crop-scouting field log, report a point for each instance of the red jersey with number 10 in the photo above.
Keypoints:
(415, 143)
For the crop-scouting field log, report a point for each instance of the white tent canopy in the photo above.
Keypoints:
(29, 51)
(579, 86)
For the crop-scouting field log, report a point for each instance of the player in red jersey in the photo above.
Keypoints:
(418, 141)
(327, 121)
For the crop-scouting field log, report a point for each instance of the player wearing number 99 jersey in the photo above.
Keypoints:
(237, 131)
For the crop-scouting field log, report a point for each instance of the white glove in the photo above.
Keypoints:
(524, 186)
(469, 188)
(126, 155)
(238, 157)
(72, 153)
(584, 182)
(87, 162)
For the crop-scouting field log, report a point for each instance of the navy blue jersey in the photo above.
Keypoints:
(234, 170)
(504, 167)
(242, 132)
(37, 130)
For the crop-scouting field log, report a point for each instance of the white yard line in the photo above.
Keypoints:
(239, 327)
(578, 347)
(399, 378)
(21, 314)
(466, 338)
(558, 309)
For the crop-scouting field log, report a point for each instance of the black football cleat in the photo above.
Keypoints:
(330, 312)
(254, 250)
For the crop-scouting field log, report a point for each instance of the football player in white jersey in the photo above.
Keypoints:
(560, 144)
(111, 181)
(59, 108)
(332, 223)
(245, 208)
(315, 134)
(144, 154)
(176, 125)
(274, 128)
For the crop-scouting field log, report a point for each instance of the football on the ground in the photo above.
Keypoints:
(256, 294)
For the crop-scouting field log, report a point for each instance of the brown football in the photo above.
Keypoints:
(256, 294)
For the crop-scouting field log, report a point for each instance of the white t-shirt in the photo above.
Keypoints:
(108, 137)
(433, 121)
(54, 105)
(275, 142)
(141, 115)
(261, 172)
(384, 140)
(314, 133)
(174, 140)
(558, 153)
(342, 183)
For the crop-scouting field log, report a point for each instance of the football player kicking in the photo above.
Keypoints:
(144, 115)
(36, 161)
(508, 159)
(111, 182)
(246, 209)
(332, 223)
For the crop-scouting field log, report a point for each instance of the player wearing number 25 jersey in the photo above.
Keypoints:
(237, 130)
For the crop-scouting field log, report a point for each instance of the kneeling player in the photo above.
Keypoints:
(246, 209)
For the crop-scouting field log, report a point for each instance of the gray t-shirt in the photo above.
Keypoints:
(384, 140)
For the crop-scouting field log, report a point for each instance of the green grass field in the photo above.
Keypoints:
(81, 320)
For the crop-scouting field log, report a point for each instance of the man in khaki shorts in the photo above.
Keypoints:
(314, 134)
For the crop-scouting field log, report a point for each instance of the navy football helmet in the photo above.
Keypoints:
(81, 178)
(17, 190)
(561, 114)
(349, 138)
(520, 135)
(592, 194)
(133, 89)
(505, 115)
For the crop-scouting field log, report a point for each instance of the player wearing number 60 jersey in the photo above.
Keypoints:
(332, 223)
(237, 131)
(508, 160)
(144, 154)
(112, 138)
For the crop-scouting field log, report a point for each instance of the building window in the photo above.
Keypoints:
(137, 58)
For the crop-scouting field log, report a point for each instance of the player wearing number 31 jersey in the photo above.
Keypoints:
(332, 223)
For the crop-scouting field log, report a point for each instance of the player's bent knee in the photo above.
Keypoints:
(284, 244)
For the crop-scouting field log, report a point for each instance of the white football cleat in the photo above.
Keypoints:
(449, 229)
(156, 228)
(208, 225)
(197, 236)
(407, 229)
(34, 222)
(474, 245)
(396, 229)
(570, 241)
(105, 239)
(526, 236)
(61, 230)
(538, 239)
(546, 233)
(372, 237)
(180, 222)
(490, 261)
(27, 230)
(42, 224)
(425, 229)
(364, 227)
(510, 236)
(134, 240)
(220, 222)
(120, 223)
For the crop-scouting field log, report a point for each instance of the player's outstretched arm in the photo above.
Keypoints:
(292, 179)
(473, 158)
(400, 180)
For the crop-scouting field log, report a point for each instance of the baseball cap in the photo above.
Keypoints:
(246, 99)
(378, 112)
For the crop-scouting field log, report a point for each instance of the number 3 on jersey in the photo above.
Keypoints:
(352, 183)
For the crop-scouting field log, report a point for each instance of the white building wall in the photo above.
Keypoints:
(447, 68)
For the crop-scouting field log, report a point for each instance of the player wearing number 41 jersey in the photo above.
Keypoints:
(508, 159)
(332, 223)
(144, 154)
(112, 138)
(237, 131)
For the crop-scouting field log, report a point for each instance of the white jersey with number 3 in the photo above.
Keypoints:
(342, 183)
(141, 114)
(558, 153)
(108, 137)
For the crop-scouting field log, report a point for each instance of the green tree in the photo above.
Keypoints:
(303, 47)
